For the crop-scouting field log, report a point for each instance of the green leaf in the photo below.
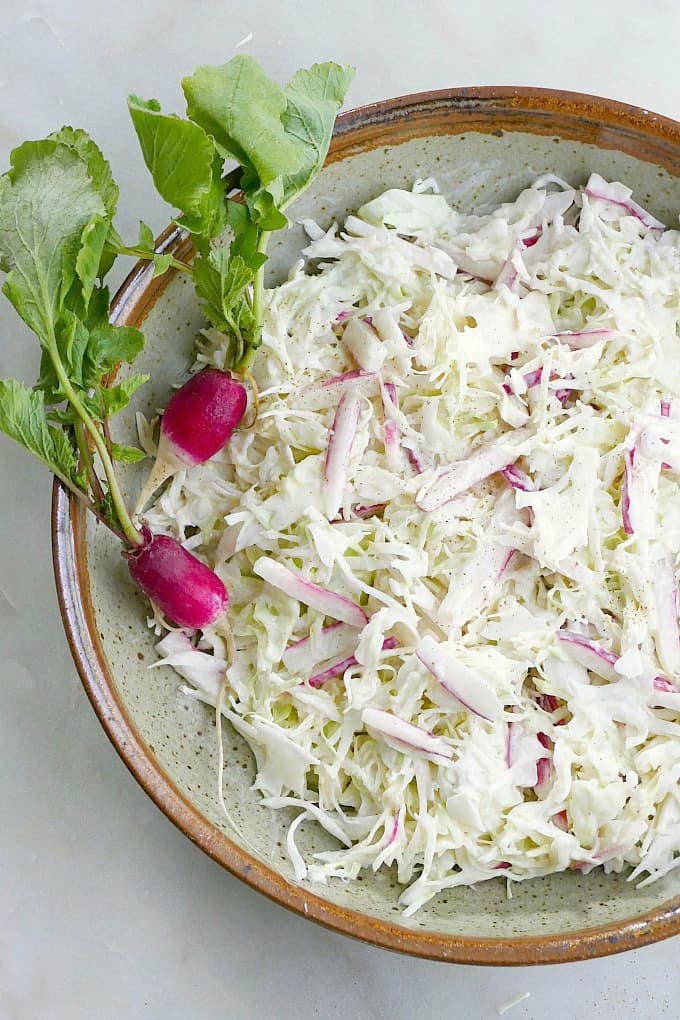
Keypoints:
(98, 168)
(23, 419)
(115, 398)
(126, 454)
(221, 281)
(46, 200)
(108, 346)
(313, 98)
(242, 109)
(179, 155)
(161, 264)
(89, 258)
(146, 239)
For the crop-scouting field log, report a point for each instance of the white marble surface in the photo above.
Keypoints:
(105, 909)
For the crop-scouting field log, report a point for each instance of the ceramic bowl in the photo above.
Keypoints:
(483, 146)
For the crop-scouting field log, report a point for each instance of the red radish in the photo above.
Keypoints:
(531, 239)
(199, 419)
(339, 451)
(338, 668)
(339, 607)
(404, 736)
(457, 680)
(185, 590)
(561, 820)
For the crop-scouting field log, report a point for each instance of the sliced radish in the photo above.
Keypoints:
(327, 393)
(580, 339)
(457, 680)
(516, 478)
(460, 476)
(587, 653)
(336, 639)
(340, 442)
(626, 489)
(404, 736)
(338, 607)
(666, 631)
(338, 668)
(619, 195)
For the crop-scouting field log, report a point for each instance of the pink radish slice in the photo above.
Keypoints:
(338, 668)
(544, 771)
(662, 683)
(516, 478)
(507, 276)
(460, 476)
(318, 395)
(530, 241)
(580, 339)
(199, 419)
(561, 820)
(589, 654)
(338, 607)
(626, 488)
(185, 590)
(336, 639)
(666, 631)
(457, 680)
(615, 193)
(665, 408)
(340, 442)
(404, 736)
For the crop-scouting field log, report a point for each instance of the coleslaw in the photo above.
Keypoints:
(451, 541)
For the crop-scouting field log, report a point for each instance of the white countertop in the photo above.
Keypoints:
(106, 910)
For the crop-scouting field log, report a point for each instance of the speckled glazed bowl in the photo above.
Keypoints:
(483, 146)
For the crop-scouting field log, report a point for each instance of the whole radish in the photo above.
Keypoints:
(199, 419)
(187, 591)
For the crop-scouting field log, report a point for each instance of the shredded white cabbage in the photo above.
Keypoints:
(543, 339)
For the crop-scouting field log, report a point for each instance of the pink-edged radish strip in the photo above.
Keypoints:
(580, 339)
(544, 774)
(663, 684)
(328, 392)
(589, 654)
(404, 736)
(199, 419)
(338, 668)
(361, 511)
(517, 479)
(391, 431)
(339, 451)
(462, 475)
(561, 821)
(665, 410)
(666, 630)
(336, 639)
(457, 680)
(626, 489)
(617, 194)
(185, 590)
(338, 607)
(507, 275)
(531, 239)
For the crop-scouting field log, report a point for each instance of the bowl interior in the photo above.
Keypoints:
(474, 167)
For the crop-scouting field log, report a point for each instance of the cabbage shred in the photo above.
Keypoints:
(550, 323)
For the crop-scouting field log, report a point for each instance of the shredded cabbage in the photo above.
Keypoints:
(541, 339)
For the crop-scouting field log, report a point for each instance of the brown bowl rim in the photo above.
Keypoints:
(614, 125)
